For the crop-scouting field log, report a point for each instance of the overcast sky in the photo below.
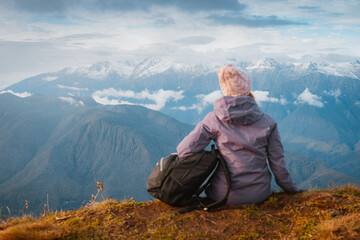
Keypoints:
(39, 36)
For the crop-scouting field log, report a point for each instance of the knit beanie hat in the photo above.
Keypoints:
(234, 82)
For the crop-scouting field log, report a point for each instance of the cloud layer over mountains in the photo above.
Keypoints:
(175, 95)
(49, 35)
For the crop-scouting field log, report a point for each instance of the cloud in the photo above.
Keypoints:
(71, 88)
(210, 98)
(194, 40)
(220, 12)
(306, 97)
(263, 96)
(22, 95)
(203, 101)
(311, 9)
(61, 6)
(83, 36)
(112, 96)
(52, 34)
(205, 5)
(42, 6)
(49, 78)
(72, 101)
(251, 21)
(335, 93)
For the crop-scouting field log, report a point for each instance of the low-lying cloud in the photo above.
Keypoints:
(263, 96)
(306, 97)
(72, 101)
(112, 96)
(335, 93)
(209, 99)
(72, 88)
(22, 95)
(50, 78)
(203, 101)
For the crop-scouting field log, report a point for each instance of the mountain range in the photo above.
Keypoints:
(61, 132)
(316, 105)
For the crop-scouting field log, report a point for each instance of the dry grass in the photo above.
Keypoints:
(29, 228)
(322, 214)
(342, 227)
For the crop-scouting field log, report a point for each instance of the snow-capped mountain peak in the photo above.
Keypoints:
(152, 66)
(267, 63)
(156, 65)
(310, 66)
(99, 70)
(101, 66)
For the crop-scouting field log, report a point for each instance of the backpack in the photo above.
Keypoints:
(179, 181)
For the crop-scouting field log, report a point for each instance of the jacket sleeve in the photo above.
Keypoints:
(275, 153)
(197, 139)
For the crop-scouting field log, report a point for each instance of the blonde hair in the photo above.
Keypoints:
(251, 95)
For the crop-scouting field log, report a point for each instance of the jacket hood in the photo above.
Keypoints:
(237, 110)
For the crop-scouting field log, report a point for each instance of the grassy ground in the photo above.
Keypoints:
(318, 214)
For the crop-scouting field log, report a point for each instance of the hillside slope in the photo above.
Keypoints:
(311, 173)
(57, 151)
(326, 214)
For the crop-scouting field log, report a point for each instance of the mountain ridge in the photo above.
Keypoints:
(116, 144)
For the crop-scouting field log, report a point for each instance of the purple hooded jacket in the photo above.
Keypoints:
(246, 137)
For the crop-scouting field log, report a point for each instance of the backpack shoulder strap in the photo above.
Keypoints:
(204, 185)
(228, 182)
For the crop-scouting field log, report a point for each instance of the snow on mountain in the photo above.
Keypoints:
(156, 65)
(151, 67)
(267, 63)
(99, 70)
(169, 73)
(351, 70)
(307, 67)
(140, 69)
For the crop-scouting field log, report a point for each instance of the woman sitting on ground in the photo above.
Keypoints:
(246, 137)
